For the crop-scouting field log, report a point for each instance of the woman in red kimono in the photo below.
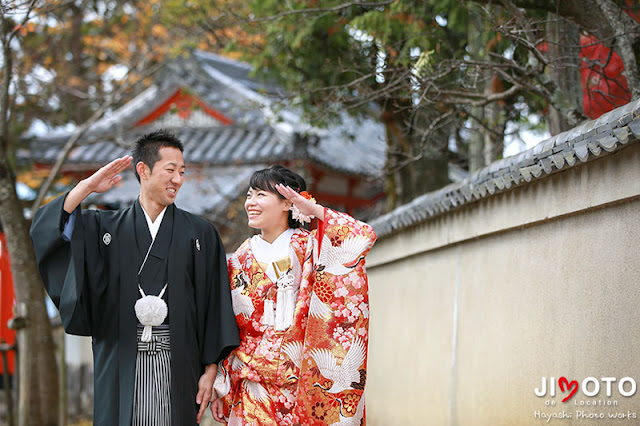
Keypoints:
(301, 303)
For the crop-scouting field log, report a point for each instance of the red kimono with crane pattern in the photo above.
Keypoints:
(314, 372)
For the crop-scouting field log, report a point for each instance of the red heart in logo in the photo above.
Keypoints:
(569, 384)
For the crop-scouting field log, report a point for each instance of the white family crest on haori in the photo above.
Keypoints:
(151, 311)
(334, 258)
(345, 374)
(106, 238)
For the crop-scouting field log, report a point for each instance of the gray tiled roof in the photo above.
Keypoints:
(226, 145)
(257, 134)
(204, 192)
(608, 133)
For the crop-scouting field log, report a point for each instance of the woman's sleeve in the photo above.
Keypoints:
(222, 385)
(333, 370)
(346, 239)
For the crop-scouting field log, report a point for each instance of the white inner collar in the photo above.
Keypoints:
(154, 226)
(266, 252)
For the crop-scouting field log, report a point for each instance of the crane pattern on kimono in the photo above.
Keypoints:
(356, 420)
(342, 259)
(345, 376)
(242, 303)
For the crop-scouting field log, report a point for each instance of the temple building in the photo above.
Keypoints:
(226, 121)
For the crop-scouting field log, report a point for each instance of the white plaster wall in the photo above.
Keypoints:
(471, 309)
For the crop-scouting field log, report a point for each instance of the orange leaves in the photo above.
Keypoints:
(408, 18)
(334, 29)
(160, 31)
(29, 27)
(102, 67)
(75, 81)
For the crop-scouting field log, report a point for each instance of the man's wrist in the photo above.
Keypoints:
(84, 189)
(76, 196)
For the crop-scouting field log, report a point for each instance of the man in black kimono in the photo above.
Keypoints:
(90, 262)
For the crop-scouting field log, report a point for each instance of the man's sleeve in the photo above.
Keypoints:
(61, 265)
(69, 221)
(220, 334)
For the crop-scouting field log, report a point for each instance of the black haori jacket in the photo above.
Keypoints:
(93, 281)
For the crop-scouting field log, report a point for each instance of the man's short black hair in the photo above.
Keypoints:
(147, 147)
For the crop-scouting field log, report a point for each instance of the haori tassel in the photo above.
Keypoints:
(151, 311)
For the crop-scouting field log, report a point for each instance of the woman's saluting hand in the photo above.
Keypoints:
(307, 207)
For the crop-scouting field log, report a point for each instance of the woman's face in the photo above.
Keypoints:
(266, 209)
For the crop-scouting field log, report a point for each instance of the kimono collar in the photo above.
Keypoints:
(153, 226)
(267, 252)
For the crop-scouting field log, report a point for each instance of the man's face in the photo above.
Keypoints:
(161, 185)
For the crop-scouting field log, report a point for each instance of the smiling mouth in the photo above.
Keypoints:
(173, 191)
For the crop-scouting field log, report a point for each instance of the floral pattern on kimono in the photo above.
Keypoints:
(314, 372)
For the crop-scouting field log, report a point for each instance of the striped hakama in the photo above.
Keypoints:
(152, 391)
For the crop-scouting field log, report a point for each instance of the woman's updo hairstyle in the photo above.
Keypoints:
(267, 179)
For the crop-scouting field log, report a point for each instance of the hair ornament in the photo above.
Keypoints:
(297, 214)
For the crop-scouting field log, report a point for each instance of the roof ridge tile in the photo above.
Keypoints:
(608, 133)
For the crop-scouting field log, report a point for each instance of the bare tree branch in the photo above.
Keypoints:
(315, 10)
(27, 16)
(55, 170)
(625, 39)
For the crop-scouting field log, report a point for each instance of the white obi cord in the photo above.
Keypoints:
(279, 314)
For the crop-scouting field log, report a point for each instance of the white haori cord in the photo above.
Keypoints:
(150, 310)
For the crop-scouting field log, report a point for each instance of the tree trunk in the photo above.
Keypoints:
(477, 25)
(627, 42)
(414, 165)
(564, 70)
(495, 121)
(38, 398)
(606, 21)
(476, 141)
(38, 374)
(78, 109)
